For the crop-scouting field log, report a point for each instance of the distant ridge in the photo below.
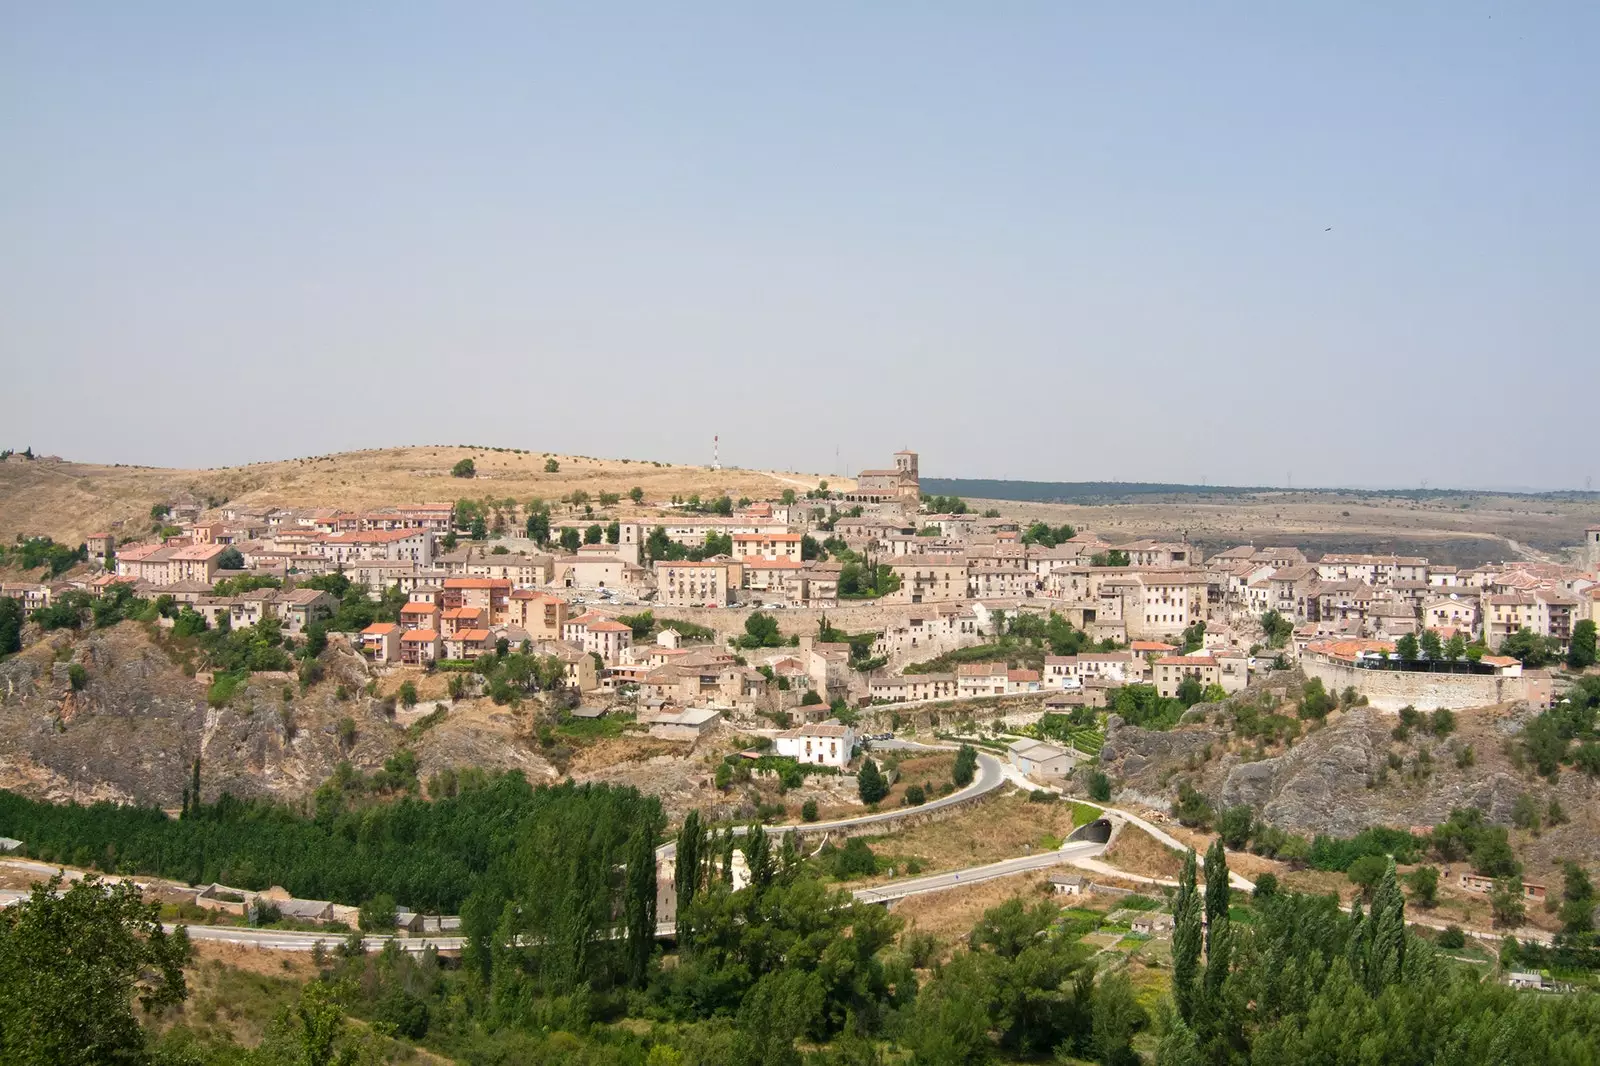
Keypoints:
(1103, 491)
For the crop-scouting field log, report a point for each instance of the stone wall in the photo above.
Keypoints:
(1390, 690)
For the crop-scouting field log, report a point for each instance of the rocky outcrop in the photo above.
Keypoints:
(133, 731)
(1341, 778)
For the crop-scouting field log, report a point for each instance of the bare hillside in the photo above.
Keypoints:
(68, 500)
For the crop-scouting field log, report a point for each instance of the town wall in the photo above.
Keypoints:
(1390, 690)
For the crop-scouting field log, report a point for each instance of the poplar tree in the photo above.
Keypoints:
(1186, 941)
(758, 856)
(640, 903)
(686, 875)
(1218, 935)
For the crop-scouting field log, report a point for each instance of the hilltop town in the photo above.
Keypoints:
(951, 708)
(601, 582)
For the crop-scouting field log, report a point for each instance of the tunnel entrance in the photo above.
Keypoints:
(1098, 831)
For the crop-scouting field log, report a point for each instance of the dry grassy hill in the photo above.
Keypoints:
(69, 500)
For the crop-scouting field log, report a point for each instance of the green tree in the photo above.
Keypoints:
(377, 915)
(870, 783)
(1423, 883)
(1234, 826)
(72, 962)
(966, 766)
(1430, 645)
(537, 526)
(1505, 902)
(1277, 628)
(687, 874)
(1456, 647)
(230, 559)
(1186, 941)
(636, 494)
(1190, 690)
(614, 533)
(408, 693)
(1581, 647)
(1386, 936)
(1219, 940)
(1099, 787)
(1577, 901)
(639, 901)
(1192, 807)
(1117, 1018)
(12, 616)
(1527, 647)
(808, 811)
(761, 631)
(480, 528)
(570, 540)
(594, 534)
(551, 466)
(1367, 871)
(1406, 648)
(464, 468)
(1314, 699)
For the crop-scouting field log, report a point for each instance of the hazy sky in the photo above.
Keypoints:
(1065, 241)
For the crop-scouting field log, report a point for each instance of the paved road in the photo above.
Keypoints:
(976, 874)
(1235, 879)
(990, 776)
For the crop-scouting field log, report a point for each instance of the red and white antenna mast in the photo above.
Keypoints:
(716, 452)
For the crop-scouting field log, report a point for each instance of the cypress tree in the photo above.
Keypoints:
(686, 875)
(1186, 941)
(790, 858)
(758, 856)
(1218, 935)
(870, 783)
(1387, 937)
(1355, 948)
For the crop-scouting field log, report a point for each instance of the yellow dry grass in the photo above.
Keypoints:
(70, 500)
(1138, 852)
(951, 914)
(1001, 828)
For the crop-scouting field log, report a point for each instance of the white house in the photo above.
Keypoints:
(823, 743)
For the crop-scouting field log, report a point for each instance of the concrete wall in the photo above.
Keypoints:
(1390, 690)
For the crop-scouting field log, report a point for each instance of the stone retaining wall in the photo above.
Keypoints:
(1390, 690)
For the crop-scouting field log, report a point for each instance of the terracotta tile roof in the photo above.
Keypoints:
(379, 629)
(1151, 645)
(472, 636)
(1349, 649)
(476, 583)
(1022, 675)
(418, 608)
(608, 626)
(459, 614)
(1186, 660)
(419, 636)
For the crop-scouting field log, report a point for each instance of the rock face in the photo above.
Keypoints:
(133, 731)
(1341, 778)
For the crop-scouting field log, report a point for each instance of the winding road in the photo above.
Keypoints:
(991, 775)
